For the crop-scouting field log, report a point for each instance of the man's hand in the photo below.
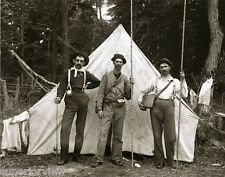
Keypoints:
(182, 75)
(141, 106)
(57, 100)
(132, 80)
(100, 114)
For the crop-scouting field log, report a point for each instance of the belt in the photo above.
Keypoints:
(77, 89)
(161, 99)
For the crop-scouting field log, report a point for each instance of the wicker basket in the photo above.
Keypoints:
(148, 100)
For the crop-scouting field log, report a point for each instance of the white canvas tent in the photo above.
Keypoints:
(45, 114)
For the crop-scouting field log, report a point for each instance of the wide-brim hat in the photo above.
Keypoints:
(119, 56)
(82, 54)
(164, 60)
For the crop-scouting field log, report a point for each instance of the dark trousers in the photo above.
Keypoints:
(162, 118)
(77, 103)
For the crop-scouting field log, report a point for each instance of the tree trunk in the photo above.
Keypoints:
(17, 90)
(99, 8)
(53, 59)
(6, 99)
(65, 33)
(216, 37)
(22, 37)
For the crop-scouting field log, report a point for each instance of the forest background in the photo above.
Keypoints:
(43, 32)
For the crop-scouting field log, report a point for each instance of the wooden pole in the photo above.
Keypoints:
(181, 79)
(131, 59)
(28, 69)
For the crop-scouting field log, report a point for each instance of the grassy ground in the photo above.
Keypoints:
(209, 161)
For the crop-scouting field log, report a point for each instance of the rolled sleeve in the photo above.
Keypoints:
(127, 89)
(101, 92)
(184, 90)
(62, 85)
(148, 89)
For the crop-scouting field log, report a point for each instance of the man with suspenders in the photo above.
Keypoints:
(73, 83)
(162, 113)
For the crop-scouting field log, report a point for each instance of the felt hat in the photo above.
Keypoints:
(116, 56)
(82, 54)
(165, 60)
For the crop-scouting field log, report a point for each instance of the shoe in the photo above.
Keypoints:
(96, 164)
(62, 162)
(76, 159)
(117, 162)
(173, 167)
(160, 165)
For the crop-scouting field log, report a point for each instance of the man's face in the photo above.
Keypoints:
(78, 62)
(164, 69)
(118, 63)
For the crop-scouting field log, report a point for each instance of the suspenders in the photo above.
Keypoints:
(75, 74)
(156, 88)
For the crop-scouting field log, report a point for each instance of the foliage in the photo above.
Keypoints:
(157, 30)
(42, 24)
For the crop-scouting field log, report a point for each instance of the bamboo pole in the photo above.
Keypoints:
(131, 59)
(181, 79)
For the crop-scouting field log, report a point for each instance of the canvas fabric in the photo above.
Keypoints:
(46, 116)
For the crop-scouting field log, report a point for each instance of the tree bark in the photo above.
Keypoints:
(65, 33)
(22, 37)
(216, 36)
(17, 92)
(53, 59)
(6, 99)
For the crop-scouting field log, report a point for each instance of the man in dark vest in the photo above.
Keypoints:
(162, 112)
(111, 108)
(73, 83)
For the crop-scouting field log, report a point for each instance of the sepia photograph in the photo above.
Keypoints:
(112, 88)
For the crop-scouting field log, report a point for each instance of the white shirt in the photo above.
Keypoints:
(157, 84)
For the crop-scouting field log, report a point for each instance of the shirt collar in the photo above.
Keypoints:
(75, 69)
(169, 78)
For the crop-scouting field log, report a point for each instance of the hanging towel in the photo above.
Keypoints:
(11, 136)
(205, 92)
(193, 98)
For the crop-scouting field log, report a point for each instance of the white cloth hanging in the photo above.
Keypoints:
(205, 92)
(11, 137)
(193, 98)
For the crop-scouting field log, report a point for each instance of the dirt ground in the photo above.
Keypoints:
(209, 161)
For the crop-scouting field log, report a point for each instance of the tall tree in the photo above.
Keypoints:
(65, 33)
(216, 37)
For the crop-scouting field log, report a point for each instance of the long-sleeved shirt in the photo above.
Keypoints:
(157, 84)
(112, 89)
(77, 81)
